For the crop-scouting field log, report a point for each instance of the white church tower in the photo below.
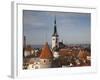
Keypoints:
(55, 42)
(55, 36)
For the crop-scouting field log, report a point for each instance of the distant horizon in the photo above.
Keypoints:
(72, 28)
(65, 44)
(41, 45)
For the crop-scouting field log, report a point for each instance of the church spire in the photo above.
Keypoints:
(55, 28)
(55, 36)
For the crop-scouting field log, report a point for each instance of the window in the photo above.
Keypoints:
(36, 67)
(32, 66)
(44, 61)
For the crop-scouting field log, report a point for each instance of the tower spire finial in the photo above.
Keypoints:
(55, 20)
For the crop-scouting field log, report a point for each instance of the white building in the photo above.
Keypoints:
(29, 51)
(34, 63)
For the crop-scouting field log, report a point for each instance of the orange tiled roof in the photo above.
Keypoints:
(46, 52)
(82, 54)
(68, 52)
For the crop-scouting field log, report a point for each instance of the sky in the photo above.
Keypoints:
(72, 28)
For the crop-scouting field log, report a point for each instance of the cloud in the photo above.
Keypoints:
(71, 26)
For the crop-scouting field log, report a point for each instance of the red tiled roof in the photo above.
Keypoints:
(68, 52)
(82, 54)
(46, 52)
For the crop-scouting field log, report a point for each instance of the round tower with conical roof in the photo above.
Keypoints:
(46, 57)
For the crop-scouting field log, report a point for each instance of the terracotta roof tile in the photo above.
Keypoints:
(46, 52)
(68, 52)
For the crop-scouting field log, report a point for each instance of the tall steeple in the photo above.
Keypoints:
(55, 28)
(55, 36)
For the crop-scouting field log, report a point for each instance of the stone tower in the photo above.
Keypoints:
(46, 57)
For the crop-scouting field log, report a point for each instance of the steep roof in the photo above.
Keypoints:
(46, 52)
(82, 54)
